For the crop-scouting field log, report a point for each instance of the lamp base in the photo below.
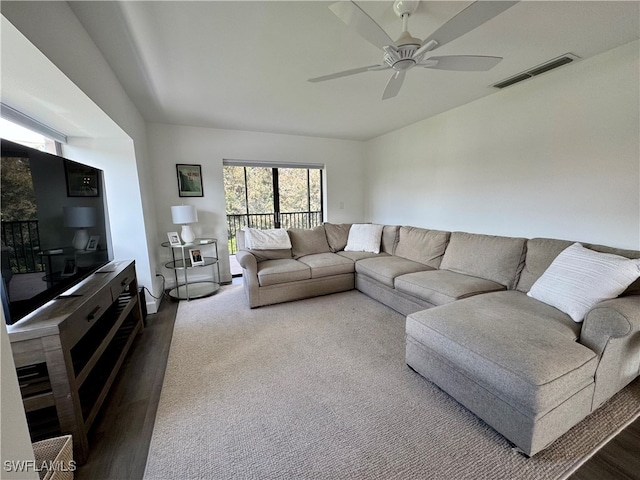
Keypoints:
(187, 234)
(80, 239)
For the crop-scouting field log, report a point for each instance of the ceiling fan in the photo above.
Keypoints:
(408, 52)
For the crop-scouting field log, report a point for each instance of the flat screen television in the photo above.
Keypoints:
(54, 232)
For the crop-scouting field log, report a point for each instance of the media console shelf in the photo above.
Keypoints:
(68, 352)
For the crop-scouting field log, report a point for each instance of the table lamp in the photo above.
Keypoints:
(80, 218)
(184, 215)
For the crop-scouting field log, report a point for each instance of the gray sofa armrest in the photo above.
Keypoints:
(249, 266)
(612, 330)
(247, 261)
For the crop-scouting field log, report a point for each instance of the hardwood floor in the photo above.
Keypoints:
(120, 438)
(122, 432)
(619, 459)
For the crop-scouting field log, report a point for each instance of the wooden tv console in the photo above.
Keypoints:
(68, 352)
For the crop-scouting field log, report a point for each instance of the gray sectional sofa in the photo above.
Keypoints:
(525, 367)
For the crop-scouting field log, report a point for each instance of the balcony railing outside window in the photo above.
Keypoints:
(20, 246)
(268, 220)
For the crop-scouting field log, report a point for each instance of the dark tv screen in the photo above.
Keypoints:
(54, 232)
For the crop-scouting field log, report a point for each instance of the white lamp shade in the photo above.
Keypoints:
(80, 217)
(183, 214)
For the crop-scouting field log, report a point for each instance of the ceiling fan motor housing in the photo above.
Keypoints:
(402, 57)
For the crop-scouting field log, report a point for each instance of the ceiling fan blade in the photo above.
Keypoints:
(356, 18)
(461, 63)
(393, 85)
(471, 17)
(378, 68)
(345, 73)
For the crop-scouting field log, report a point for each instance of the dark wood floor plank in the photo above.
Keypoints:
(122, 432)
(619, 459)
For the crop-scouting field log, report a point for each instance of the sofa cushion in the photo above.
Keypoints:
(499, 259)
(508, 349)
(422, 245)
(267, 239)
(542, 251)
(273, 272)
(262, 255)
(327, 264)
(580, 278)
(386, 269)
(307, 241)
(364, 237)
(389, 239)
(337, 235)
(439, 287)
(355, 256)
(634, 288)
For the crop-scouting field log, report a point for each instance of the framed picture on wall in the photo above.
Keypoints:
(189, 180)
(82, 180)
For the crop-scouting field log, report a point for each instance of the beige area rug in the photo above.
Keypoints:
(319, 389)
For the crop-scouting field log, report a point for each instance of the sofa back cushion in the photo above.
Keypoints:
(422, 245)
(390, 235)
(486, 256)
(305, 241)
(541, 252)
(262, 255)
(337, 235)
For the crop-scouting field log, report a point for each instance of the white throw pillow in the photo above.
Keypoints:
(580, 278)
(255, 239)
(364, 237)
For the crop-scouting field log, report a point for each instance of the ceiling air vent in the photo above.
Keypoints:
(543, 68)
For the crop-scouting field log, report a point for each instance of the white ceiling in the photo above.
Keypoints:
(244, 65)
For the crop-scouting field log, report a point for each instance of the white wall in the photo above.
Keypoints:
(171, 144)
(555, 156)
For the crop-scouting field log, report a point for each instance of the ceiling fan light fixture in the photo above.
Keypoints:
(405, 64)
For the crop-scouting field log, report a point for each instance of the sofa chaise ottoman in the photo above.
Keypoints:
(525, 367)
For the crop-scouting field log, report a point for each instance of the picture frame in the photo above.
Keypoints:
(69, 268)
(82, 181)
(189, 180)
(92, 246)
(174, 239)
(195, 254)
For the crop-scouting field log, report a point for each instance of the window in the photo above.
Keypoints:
(271, 197)
(19, 134)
